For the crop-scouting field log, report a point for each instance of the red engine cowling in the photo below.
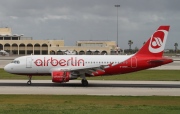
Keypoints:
(60, 76)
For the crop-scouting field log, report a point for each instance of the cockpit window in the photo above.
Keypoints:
(15, 61)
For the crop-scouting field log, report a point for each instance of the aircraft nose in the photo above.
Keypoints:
(7, 68)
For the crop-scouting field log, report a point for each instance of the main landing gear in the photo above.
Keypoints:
(29, 81)
(84, 82)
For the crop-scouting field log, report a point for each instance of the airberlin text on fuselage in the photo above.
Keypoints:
(73, 61)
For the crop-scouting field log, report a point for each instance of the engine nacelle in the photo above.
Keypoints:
(61, 76)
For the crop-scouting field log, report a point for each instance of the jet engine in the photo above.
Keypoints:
(62, 76)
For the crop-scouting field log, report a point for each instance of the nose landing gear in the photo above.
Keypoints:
(29, 81)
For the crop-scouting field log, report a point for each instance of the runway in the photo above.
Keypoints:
(110, 88)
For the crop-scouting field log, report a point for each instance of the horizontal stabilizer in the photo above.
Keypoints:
(156, 61)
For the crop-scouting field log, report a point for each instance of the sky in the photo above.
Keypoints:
(73, 20)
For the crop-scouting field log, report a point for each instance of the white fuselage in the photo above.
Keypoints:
(42, 64)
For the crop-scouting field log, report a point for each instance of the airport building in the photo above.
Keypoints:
(16, 44)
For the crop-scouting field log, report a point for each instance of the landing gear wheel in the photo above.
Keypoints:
(84, 82)
(29, 82)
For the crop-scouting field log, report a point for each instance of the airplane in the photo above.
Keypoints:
(63, 68)
(3, 53)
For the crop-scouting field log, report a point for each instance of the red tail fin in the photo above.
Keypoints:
(156, 43)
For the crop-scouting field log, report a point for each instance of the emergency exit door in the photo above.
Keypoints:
(133, 62)
(28, 62)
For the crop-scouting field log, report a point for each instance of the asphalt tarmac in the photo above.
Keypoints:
(74, 87)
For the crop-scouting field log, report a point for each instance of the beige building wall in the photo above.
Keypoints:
(38, 47)
(83, 50)
(20, 45)
(24, 47)
(94, 43)
(5, 31)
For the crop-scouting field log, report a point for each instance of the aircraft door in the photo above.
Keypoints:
(133, 62)
(28, 62)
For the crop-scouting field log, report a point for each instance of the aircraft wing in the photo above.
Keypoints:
(88, 69)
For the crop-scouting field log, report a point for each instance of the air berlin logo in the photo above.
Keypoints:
(72, 61)
(158, 41)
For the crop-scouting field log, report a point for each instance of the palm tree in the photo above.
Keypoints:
(130, 42)
(136, 49)
(175, 45)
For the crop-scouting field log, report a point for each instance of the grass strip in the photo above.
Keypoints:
(67, 104)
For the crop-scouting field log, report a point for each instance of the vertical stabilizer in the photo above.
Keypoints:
(156, 43)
